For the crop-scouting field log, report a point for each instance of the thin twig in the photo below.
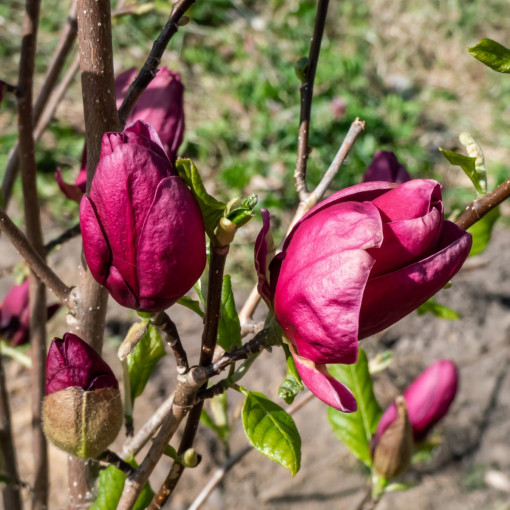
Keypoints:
(8, 87)
(221, 472)
(100, 112)
(187, 386)
(477, 209)
(216, 267)
(34, 260)
(63, 238)
(163, 322)
(112, 458)
(37, 299)
(306, 92)
(311, 200)
(150, 67)
(11, 493)
(136, 443)
(66, 41)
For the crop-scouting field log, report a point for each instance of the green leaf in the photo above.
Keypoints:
(441, 311)
(212, 209)
(482, 231)
(142, 360)
(355, 429)
(111, 485)
(492, 54)
(171, 452)
(292, 384)
(229, 328)
(272, 431)
(192, 304)
(467, 164)
(240, 211)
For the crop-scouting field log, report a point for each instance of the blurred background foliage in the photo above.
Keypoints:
(401, 66)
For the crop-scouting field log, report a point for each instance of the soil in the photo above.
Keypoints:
(470, 469)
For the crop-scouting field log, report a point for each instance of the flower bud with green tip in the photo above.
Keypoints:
(82, 410)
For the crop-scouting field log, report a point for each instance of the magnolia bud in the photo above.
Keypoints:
(189, 458)
(82, 410)
(392, 451)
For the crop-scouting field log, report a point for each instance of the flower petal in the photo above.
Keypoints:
(391, 296)
(262, 248)
(325, 387)
(386, 167)
(71, 191)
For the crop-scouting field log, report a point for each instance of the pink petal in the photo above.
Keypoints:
(120, 290)
(325, 387)
(386, 167)
(171, 248)
(261, 250)
(317, 300)
(391, 296)
(71, 191)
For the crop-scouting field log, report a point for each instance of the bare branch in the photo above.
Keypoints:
(163, 322)
(150, 67)
(306, 92)
(34, 260)
(477, 209)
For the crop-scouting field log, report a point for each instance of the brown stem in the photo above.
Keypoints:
(67, 37)
(37, 298)
(112, 458)
(150, 67)
(69, 234)
(306, 92)
(136, 443)
(368, 502)
(8, 87)
(90, 298)
(212, 318)
(163, 322)
(187, 386)
(34, 259)
(477, 209)
(10, 492)
(222, 471)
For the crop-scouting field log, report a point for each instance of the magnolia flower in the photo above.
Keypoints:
(353, 265)
(386, 167)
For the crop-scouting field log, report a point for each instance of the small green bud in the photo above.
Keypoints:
(301, 69)
(189, 458)
(225, 232)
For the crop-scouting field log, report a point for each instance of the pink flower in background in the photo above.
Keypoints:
(353, 265)
(15, 315)
(72, 362)
(386, 167)
(338, 107)
(428, 399)
(161, 104)
(143, 233)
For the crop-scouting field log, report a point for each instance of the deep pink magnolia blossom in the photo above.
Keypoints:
(161, 104)
(353, 265)
(15, 315)
(143, 233)
(428, 399)
(72, 362)
(386, 167)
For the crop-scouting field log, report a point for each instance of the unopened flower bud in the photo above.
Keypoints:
(189, 458)
(225, 232)
(392, 451)
(82, 410)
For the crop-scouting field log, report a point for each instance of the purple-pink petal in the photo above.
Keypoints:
(261, 251)
(72, 362)
(325, 387)
(386, 167)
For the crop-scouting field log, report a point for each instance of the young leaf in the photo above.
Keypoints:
(212, 209)
(272, 431)
(142, 360)
(441, 311)
(229, 328)
(240, 211)
(482, 231)
(191, 304)
(355, 429)
(492, 54)
(467, 164)
(292, 384)
(111, 485)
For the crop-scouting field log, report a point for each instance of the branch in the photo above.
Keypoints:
(136, 443)
(222, 471)
(11, 492)
(306, 92)
(212, 318)
(477, 209)
(63, 238)
(163, 322)
(187, 386)
(96, 63)
(34, 259)
(66, 41)
(112, 458)
(150, 67)
(311, 200)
